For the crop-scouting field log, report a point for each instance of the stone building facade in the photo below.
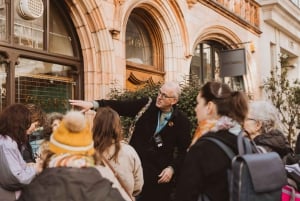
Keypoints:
(54, 50)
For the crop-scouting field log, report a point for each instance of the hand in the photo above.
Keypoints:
(166, 175)
(38, 165)
(84, 105)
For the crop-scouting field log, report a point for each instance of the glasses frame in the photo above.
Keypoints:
(163, 95)
(251, 119)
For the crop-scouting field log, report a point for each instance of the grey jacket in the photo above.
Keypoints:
(14, 171)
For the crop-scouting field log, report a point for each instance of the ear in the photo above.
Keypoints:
(258, 125)
(211, 108)
(174, 101)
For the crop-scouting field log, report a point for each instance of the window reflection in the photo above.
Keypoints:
(60, 39)
(138, 44)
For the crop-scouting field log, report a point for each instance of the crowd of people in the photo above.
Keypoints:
(163, 161)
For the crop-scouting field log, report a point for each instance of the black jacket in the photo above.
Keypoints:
(176, 136)
(66, 184)
(205, 169)
(275, 141)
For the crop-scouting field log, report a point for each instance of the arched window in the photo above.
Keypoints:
(144, 49)
(205, 65)
(39, 54)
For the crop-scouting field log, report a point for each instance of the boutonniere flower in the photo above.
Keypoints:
(170, 123)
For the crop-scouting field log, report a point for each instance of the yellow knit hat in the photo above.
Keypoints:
(72, 136)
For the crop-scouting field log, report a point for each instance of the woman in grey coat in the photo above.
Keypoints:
(14, 171)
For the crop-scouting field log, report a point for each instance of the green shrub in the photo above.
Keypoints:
(285, 95)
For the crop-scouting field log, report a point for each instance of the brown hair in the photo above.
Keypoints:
(37, 114)
(49, 119)
(15, 120)
(107, 130)
(230, 103)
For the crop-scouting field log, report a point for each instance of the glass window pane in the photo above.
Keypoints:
(217, 66)
(3, 20)
(46, 84)
(207, 67)
(28, 33)
(3, 76)
(196, 63)
(60, 39)
(236, 83)
(138, 44)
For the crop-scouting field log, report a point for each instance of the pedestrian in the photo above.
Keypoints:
(37, 121)
(220, 113)
(108, 142)
(52, 121)
(14, 171)
(71, 169)
(161, 137)
(265, 128)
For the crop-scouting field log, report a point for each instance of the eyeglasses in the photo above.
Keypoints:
(163, 95)
(251, 119)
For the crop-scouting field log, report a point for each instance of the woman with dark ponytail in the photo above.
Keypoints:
(221, 113)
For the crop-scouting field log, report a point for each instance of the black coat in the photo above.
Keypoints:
(176, 137)
(205, 169)
(275, 141)
(65, 184)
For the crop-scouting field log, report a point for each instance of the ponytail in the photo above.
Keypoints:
(239, 106)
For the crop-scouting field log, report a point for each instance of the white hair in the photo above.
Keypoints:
(174, 87)
(265, 112)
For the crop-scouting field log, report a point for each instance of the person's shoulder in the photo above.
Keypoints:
(127, 148)
(224, 136)
(181, 116)
(7, 142)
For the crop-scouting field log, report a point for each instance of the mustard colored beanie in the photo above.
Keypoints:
(72, 136)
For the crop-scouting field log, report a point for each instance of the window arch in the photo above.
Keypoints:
(205, 64)
(39, 55)
(144, 49)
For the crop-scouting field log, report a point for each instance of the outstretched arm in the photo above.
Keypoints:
(84, 105)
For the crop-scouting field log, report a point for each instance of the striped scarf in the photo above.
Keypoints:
(223, 123)
(71, 160)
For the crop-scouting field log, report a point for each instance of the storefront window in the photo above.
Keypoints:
(41, 62)
(46, 84)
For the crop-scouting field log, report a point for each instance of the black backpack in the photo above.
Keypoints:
(253, 176)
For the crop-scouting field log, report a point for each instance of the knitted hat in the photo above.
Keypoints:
(72, 136)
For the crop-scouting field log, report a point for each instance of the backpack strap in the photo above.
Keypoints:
(245, 145)
(222, 145)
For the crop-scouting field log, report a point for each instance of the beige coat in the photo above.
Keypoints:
(128, 167)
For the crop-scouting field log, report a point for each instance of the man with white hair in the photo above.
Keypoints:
(161, 136)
